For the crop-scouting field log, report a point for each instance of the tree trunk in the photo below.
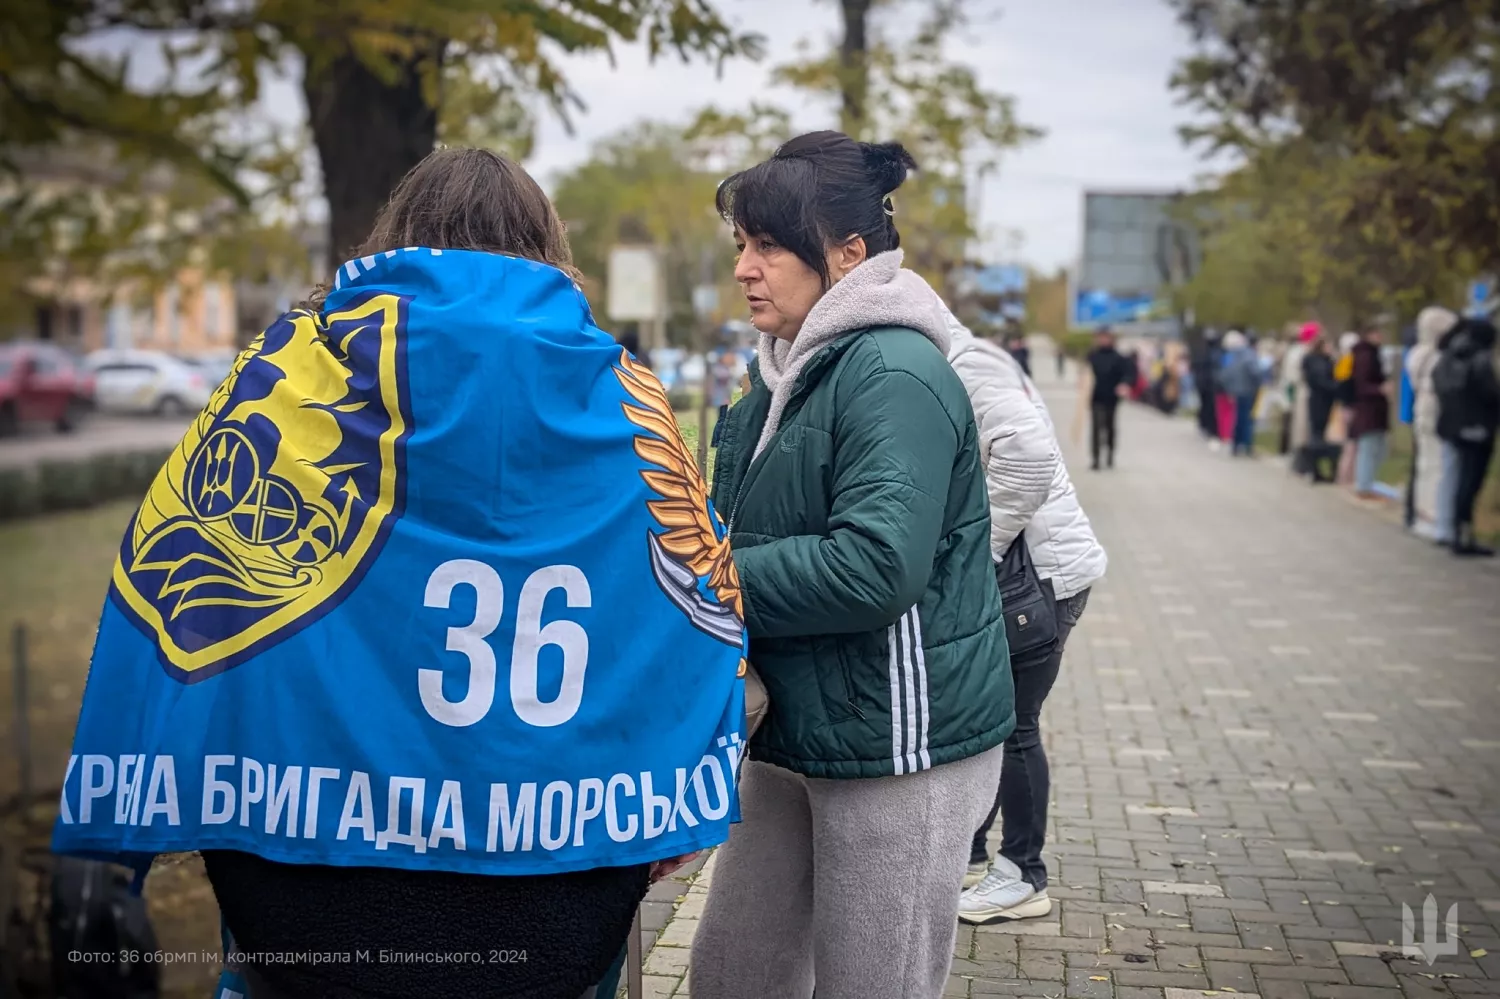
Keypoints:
(854, 67)
(369, 133)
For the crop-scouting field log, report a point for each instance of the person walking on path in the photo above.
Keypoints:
(858, 513)
(1468, 389)
(1016, 346)
(1032, 502)
(1241, 381)
(1370, 413)
(1108, 374)
(1432, 506)
(441, 433)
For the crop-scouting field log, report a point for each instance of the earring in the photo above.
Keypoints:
(889, 204)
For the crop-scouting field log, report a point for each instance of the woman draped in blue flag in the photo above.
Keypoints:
(426, 635)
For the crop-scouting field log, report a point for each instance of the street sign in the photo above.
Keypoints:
(705, 300)
(635, 284)
(1481, 292)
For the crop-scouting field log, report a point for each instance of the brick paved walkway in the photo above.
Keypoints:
(1276, 723)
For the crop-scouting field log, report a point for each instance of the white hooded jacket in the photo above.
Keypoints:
(1432, 323)
(1028, 483)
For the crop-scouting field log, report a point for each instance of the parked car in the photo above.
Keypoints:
(147, 381)
(42, 383)
(214, 367)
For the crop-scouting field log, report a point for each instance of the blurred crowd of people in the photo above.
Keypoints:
(1329, 405)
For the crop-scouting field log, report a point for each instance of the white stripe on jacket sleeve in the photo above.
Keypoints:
(923, 700)
(908, 684)
(896, 638)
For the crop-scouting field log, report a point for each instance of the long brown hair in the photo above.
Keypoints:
(468, 199)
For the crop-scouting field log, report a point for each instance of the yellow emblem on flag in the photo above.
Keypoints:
(280, 494)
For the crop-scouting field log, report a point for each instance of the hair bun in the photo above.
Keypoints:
(888, 164)
(812, 145)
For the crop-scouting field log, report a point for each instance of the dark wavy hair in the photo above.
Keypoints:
(817, 191)
(468, 199)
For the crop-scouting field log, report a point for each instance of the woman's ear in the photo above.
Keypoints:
(846, 256)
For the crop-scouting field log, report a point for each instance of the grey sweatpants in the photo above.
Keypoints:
(849, 884)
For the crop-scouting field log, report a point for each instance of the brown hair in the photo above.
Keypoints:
(468, 199)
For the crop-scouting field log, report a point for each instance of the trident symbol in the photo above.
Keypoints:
(219, 475)
(1430, 949)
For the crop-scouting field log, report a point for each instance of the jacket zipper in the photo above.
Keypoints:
(739, 493)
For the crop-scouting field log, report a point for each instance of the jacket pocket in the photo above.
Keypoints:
(835, 680)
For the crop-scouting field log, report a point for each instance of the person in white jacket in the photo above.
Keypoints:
(1434, 479)
(1031, 497)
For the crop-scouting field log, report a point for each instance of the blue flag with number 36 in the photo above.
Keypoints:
(432, 582)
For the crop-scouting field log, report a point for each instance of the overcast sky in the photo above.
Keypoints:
(1093, 73)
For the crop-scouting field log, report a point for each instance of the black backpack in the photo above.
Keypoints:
(1450, 377)
(1464, 383)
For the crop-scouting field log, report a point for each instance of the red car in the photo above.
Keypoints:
(42, 383)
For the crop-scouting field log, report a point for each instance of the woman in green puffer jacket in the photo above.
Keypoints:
(851, 479)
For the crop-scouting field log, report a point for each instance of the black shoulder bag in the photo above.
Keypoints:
(1028, 605)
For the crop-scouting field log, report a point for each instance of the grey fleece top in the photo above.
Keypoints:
(879, 292)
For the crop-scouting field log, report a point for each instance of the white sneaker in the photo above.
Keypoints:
(976, 872)
(1002, 895)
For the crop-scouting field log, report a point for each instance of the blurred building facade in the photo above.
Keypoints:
(192, 310)
(193, 314)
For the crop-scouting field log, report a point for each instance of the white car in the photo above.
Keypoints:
(146, 381)
(213, 367)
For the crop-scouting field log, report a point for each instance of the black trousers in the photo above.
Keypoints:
(1103, 435)
(1409, 512)
(1473, 463)
(1319, 409)
(261, 989)
(1025, 781)
(1208, 413)
(569, 927)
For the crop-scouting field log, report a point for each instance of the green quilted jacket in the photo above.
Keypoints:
(861, 535)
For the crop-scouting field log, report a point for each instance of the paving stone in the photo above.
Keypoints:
(1023, 928)
(1175, 811)
(1228, 975)
(1345, 948)
(667, 961)
(654, 915)
(658, 986)
(1011, 987)
(1043, 965)
(1369, 972)
(1163, 979)
(1283, 990)
(1246, 955)
(1299, 973)
(1332, 856)
(1181, 888)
